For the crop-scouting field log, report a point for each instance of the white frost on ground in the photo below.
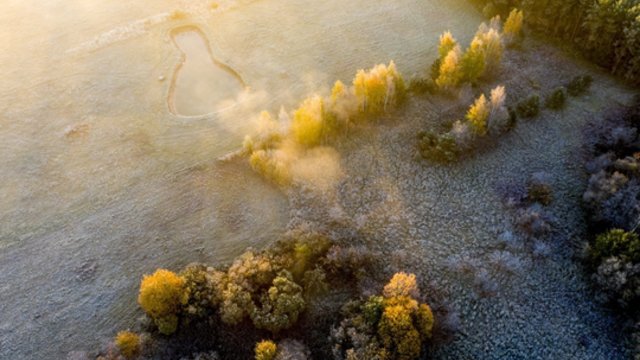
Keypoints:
(445, 218)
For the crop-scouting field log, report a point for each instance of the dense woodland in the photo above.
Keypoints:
(607, 31)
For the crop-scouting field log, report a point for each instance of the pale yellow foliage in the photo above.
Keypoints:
(450, 70)
(343, 104)
(272, 164)
(499, 115)
(478, 114)
(338, 91)
(493, 48)
(498, 97)
(268, 134)
(378, 88)
(308, 121)
(447, 43)
(401, 284)
(513, 25)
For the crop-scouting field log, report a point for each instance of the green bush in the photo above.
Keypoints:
(280, 305)
(439, 148)
(422, 86)
(618, 243)
(529, 107)
(579, 85)
(557, 99)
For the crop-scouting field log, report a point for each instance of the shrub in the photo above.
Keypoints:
(434, 71)
(372, 309)
(280, 306)
(557, 99)
(539, 189)
(128, 344)
(513, 27)
(534, 221)
(266, 350)
(315, 283)
(421, 86)
(161, 297)
(602, 186)
(290, 349)
(618, 282)
(450, 73)
(440, 148)
(202, 285)
(579, 85)
(478, 114)
(529, 107)
(618, 243)
(463, 138)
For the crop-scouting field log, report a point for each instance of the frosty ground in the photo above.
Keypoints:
(101, 183)
(439, 220)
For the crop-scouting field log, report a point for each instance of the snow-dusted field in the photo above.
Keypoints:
(101, 182)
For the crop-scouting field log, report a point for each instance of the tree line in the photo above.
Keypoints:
(607, 31)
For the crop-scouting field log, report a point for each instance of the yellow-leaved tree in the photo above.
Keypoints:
(513, 27)
(492, 45)
(128, 344)
(404, 323)
(447, 43)
(379, 88)
(161, 297)
(478, 114)
(308, 121)
(450, 70)
(473, 61)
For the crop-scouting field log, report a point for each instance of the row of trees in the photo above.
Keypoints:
(484, 117)
(612, 201)
(265, 294)
(482, 58)
(318, 119)
(281, 141)
(488, 117)
(608, 31)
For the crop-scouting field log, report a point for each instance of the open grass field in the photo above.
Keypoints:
(102, 182)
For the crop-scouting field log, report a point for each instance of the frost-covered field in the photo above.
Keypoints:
(101, 182)
(448, 224)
